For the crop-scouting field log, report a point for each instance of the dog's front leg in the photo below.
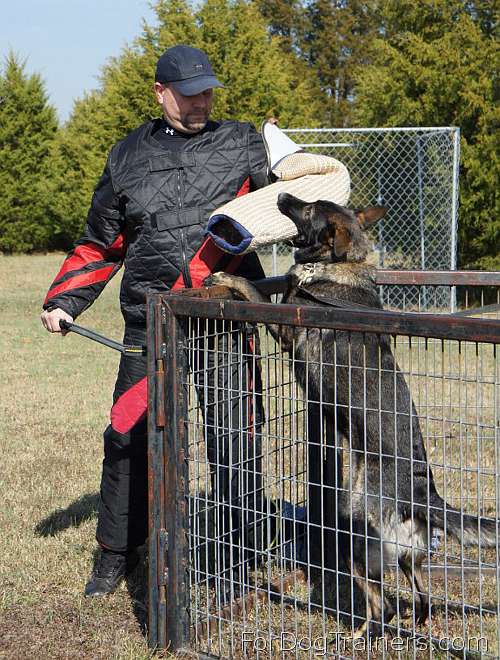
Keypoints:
(245, 290)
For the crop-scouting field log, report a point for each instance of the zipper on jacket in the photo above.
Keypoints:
(179, 192)
(186, 275)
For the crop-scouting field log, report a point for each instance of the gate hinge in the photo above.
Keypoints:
(161, 350)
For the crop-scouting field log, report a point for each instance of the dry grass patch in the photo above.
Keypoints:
(55, 396)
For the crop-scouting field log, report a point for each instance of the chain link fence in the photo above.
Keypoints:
(411, 171)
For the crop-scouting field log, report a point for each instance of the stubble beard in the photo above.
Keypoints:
(195, 122)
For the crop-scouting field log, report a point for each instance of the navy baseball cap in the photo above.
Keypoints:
(187, 69)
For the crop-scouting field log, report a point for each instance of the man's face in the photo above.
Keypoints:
(187, 114)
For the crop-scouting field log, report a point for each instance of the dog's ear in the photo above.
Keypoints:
(370, 215)
(342, 241)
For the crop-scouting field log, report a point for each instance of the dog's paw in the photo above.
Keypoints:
(219, 279)
(240, 287)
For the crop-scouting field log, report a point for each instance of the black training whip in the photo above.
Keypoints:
(100, 339)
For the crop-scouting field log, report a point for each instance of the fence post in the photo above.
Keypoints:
(156, 496)
(176, 481)
(169, 479)
(454, 211)
(421, 216)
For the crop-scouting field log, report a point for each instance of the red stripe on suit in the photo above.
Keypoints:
(88, 253)
(84, 279)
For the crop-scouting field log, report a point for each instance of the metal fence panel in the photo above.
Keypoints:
(277, 566)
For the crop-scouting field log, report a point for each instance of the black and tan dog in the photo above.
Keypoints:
(391, 506)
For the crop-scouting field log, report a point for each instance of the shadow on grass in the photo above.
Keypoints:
(78, 512)
(137, 587)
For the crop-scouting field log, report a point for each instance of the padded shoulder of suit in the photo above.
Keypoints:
(242, 135)
(239, 128)
(132, 143)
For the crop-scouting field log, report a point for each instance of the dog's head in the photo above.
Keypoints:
(329, 232)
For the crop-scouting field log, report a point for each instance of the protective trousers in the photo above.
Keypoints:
(226, 378)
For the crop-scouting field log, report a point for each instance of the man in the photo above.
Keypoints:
(148, 212)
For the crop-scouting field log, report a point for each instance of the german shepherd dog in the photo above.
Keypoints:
(392, 506)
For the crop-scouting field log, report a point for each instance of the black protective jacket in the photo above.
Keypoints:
(149, 211)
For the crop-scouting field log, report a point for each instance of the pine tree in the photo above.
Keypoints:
(28, 126)
(436, 66)
(77, 160)
(127, 80)
(335, 44)
(260, 79)
(330, 37)
(286, 20)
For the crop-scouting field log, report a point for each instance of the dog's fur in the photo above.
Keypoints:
(392, 505)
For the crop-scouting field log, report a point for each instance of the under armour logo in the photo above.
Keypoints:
(169, 131)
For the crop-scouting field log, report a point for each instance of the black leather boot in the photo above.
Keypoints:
(109, 570)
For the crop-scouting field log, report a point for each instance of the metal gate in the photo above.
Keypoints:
(411, 171)
(278, 566)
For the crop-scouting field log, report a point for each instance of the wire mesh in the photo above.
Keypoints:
(316, 524)
(413, 172)
(480, 301)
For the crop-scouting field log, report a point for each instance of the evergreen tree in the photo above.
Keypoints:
(28, 126)
(335, 44)
(436, 66)
(286, 20)
(77, 160)
(260, 80)
(127, 80)
(330, 37)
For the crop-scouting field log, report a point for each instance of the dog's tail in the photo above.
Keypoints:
(464, 527)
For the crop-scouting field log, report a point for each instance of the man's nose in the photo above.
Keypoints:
(199, 99)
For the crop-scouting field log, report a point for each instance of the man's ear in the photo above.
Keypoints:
(158, 90)
(342, 241)
(370, 215)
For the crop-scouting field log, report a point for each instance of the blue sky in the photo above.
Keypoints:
(67, 41)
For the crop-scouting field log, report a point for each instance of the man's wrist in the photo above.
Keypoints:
(50, 307)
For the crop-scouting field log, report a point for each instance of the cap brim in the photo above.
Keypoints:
(193, 86)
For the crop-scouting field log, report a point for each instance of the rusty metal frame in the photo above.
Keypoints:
(439, 277)
(157, 634)
(437, 326)
(271, 285)
(169, 625)
(168, 480)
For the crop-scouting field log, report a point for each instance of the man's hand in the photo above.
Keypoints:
(50, 320)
